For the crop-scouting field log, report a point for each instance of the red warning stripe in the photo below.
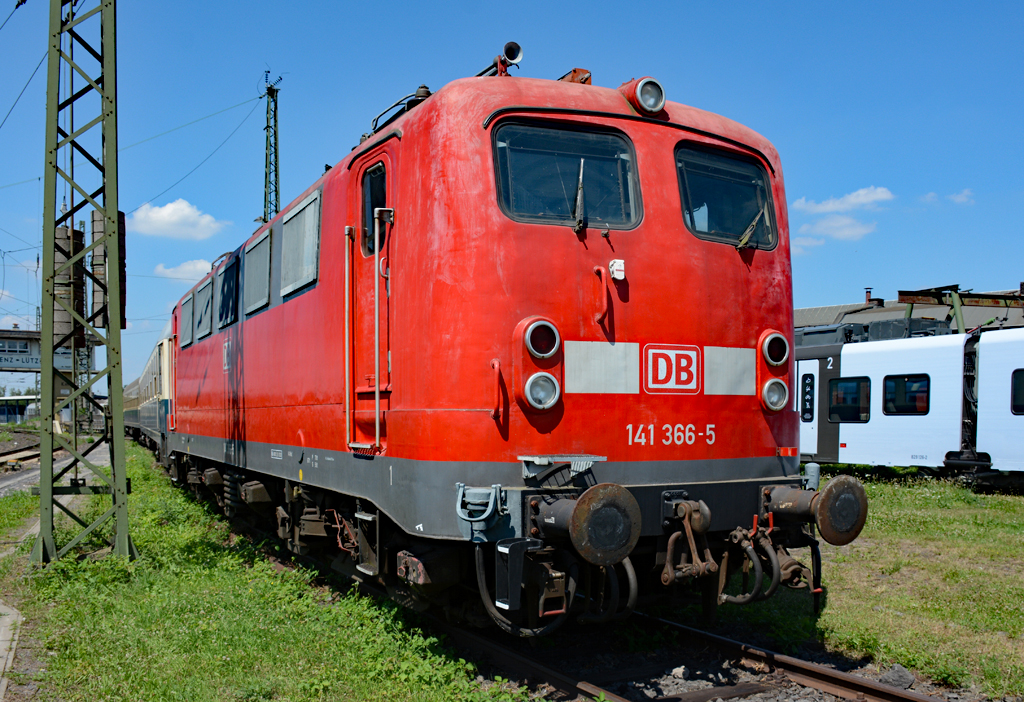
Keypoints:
(789, 451)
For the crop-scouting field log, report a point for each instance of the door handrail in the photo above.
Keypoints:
(349, 238)
(385, 214)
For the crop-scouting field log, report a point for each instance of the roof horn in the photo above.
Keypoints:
(511, 55)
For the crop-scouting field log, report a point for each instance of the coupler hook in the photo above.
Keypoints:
(673, 572)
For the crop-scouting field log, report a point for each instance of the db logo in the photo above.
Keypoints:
(672, 369)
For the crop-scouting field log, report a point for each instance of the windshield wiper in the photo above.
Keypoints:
(578, 209)
(744, 240)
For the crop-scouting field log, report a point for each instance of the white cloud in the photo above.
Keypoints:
(930, 197)
(176, 220)
(839, 227)
(4, 295)
(865, 197)
(800, 244)
(964, 197)
(190, 271)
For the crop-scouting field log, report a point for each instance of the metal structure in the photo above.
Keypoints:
(951, 296)
(92, 139)
(272, 182)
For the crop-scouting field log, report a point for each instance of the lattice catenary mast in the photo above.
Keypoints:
(271, 183)
(91, 134)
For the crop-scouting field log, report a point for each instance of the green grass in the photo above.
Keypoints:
(204, 615)
(935, 582)
(15, 509)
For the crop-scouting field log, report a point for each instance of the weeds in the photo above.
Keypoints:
(200, 618)
(15, 509)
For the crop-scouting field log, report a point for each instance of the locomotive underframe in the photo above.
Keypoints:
(365, 526)
(420, 496)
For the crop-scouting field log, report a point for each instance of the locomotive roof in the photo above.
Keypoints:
(476, 99)
(480, 99)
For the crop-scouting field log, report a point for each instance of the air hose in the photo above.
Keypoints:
(773, 560)
(505, 624)
(758, 580)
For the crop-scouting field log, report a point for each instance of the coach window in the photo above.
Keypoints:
(542, 170)
(906, 394)
(300, 242)
(227, 294)
(1017, 392)
(185, 322)
(725, 198)
(375, 195)
(257, 274)
(849, 400)
(204, 310)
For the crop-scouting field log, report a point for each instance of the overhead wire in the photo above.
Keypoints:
(37, 246)
(16, 6)
(23, 90)
(163, 277)
(177, 182)
(151, 138)
(187, 124)
(20, 182)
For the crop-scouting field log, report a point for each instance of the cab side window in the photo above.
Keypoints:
(374, 196)
(227, 296)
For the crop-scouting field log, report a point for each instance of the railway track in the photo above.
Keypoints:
(11, 458)
(786, 668)
(820, 677)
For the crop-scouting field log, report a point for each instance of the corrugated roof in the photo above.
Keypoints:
(862, 314)
(821, 316)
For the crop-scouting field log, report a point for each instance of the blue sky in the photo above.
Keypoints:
(897, 123)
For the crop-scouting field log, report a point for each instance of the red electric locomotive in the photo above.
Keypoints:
(530, 335)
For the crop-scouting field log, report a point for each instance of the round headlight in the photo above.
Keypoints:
(542, 339)
(775, 349)
(775, 394)
(542, 391)
(650, 95)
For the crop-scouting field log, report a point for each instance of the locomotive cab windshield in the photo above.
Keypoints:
(542, 171)
(725, 199)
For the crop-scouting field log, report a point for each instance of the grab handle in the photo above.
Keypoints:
(599, 317)
(496, 412)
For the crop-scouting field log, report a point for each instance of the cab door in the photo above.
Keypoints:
(372, 244)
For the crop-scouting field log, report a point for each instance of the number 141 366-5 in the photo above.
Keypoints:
(670, 434)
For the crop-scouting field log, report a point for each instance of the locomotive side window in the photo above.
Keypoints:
(300, 241)
(375, 195)
(185, 322)
(1017, 392)
(725, 199)
(204, 310)
(849, 400)
(906, 394)
(257, 274)
(227, 295)
(541, 171)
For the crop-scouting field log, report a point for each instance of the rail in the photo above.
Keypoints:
(819, 677)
